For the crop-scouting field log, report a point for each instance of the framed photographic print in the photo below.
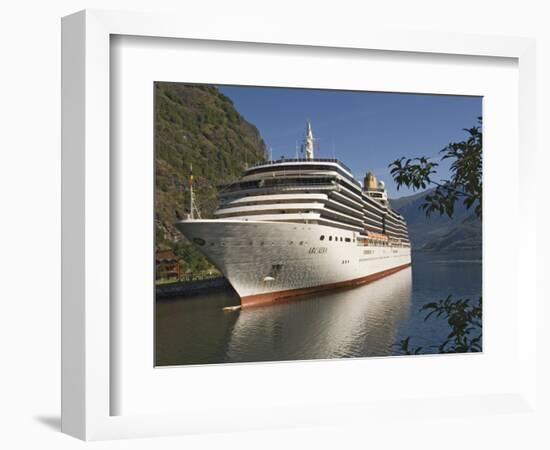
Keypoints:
(239, 225)
(256, 225)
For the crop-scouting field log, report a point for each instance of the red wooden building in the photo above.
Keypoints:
(167, 264)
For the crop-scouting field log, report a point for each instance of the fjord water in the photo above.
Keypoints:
(361, 322)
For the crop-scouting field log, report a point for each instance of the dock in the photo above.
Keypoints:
(188, 288)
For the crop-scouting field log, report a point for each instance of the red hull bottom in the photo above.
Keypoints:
(270, 297)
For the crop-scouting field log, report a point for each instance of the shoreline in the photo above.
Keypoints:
(190, 288)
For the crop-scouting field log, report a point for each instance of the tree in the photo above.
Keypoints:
(466, 175)
(464, 320)
(463, 317)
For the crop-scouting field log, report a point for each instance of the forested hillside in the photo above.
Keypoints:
(196, 126)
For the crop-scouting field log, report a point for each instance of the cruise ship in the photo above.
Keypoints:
(298, 226)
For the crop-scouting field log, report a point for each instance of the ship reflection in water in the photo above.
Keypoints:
(338, 324)
(352, 322)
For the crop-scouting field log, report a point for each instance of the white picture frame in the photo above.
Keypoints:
(87, 386)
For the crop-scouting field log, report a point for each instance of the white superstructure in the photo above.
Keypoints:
(296, 226)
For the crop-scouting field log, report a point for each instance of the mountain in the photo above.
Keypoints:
(196, 126)
(465, 235)
(439, 233)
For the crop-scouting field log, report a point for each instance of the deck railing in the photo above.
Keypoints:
(291, 160)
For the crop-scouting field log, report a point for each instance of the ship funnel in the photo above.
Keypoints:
(307, 147)
(370, 182)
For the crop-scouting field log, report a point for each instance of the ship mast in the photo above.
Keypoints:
(308, 142)
(192, 204)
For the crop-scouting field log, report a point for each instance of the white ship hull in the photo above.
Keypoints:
(265, 261)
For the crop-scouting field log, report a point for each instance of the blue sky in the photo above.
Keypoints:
(365, 130)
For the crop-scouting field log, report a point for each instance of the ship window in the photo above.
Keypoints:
(348, 240)
(301, 242)
(330, 238)
(322, 238)
(340, 238)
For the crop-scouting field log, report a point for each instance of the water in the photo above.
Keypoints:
(360, 322)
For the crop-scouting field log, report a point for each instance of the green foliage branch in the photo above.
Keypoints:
(464, 184)
(463, 316)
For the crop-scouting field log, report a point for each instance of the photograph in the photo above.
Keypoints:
(313, 224)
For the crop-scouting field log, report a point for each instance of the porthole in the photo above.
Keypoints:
(322, 238)
(330, 238)
(199, 241)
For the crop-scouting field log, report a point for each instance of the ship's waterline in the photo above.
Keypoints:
(261, 299)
